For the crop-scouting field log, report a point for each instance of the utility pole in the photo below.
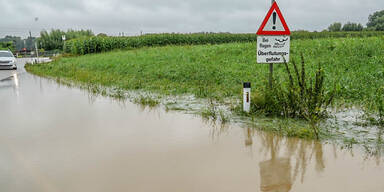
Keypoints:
(36, 47)
(25, 49)
(37, 53)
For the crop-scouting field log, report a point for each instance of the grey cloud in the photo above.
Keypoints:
(156, 16)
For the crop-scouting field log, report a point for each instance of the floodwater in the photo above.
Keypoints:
(55, 138)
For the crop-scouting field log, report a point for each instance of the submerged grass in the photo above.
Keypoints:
(352, 67)
(146, 101)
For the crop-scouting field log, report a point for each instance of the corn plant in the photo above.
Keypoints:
(97, 44)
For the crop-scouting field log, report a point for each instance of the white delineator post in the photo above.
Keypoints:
(246, 97)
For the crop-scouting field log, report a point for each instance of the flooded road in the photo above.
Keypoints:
(59, 139)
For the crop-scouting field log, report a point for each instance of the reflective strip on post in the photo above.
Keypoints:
(246, 96)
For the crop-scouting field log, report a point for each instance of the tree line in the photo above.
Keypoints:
(48, 40)
(17, 43)
(375, 23)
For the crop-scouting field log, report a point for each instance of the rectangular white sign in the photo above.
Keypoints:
(273, 49)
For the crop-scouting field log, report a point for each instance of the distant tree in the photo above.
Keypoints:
(29, 43)
(335, 27)
(7, 46)
(102, 35)
(53, 40)
(352, 27)
(376, 21)
(18, 43)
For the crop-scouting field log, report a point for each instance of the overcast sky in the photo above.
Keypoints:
(17, 17)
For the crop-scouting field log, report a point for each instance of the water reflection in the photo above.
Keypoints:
(275, 175)
(16, 80)
(216, 130)
(248, 138)
(11, 82)
(376, 149)
(16, 85)
(286, 159)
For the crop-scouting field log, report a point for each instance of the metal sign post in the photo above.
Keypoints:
(270, 79)
(273, 40)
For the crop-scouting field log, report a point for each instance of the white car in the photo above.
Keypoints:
(7, 60)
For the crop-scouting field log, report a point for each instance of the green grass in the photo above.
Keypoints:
(216, 72)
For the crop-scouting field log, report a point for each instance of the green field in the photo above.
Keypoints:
(354, 66)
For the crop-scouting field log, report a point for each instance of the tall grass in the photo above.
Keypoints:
(302, 96)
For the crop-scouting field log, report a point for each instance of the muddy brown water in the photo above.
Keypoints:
(59, 139)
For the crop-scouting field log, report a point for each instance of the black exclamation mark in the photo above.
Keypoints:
(274, 20)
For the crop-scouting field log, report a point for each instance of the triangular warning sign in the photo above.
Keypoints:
(274, 23)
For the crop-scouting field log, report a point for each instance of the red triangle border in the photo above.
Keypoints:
(261, 29)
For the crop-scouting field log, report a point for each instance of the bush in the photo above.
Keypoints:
(304, 96)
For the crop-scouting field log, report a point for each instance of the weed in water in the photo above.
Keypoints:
(146, 101)
(304, 96)
(119, 94)
(224, 118)
(209, 112)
